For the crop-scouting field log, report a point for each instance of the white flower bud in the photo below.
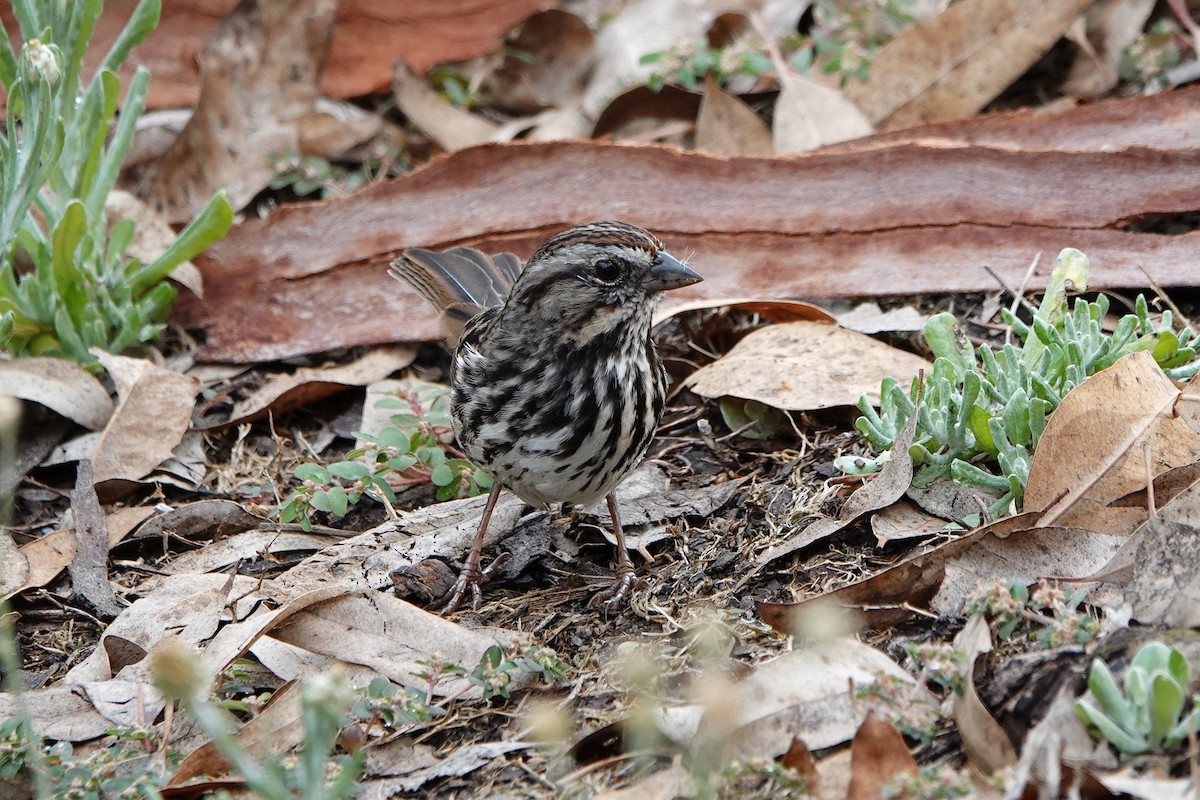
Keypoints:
(41, 62)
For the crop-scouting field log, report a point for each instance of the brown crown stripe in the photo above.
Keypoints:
(601, 234)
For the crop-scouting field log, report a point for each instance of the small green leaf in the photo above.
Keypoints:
(442, 475)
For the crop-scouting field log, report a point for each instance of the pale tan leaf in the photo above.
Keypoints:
(282, 393)
(801, 366)
(986, 744)
(904, 520)
(809, 114)
(727, 126)
(953, 64)
(390, 636)
(153, 413)
(1164, 582)
(453, 128)
(1095, 446)
(1110, 26)
(878, 755)
(61, 386)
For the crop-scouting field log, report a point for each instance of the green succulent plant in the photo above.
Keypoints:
(983, 411)
(1153, 714)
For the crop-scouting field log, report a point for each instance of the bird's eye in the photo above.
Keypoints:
(607, 270)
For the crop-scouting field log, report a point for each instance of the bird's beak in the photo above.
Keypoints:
(668, 273)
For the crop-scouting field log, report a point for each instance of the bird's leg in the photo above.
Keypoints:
(625, 575)
(471, 575)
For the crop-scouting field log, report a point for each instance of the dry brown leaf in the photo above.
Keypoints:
(878, 755)
(61, 386)
(283, 393)
(555, 48)
(887, 597)
(449, 126)
(809, 115)
(870, 318)
(152, 415)
(391, 636)
(727, 126)
(986, 744)
(259, 74)
(58, 712)
(638, 29)
(1091, 452)
(1164, 583)
(770, 310)
(89, 567)
(275, 729)
(1024, 556)
(802, 366)
(1109, 27)
(49, 555)
(953, 64)
(805, 692)
(905, 520)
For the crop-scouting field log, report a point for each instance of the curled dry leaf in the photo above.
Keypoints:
(985, 742)
(809, 115)
(556, 52)
(450, 126)
(1095, 447)
(888, 597)
(1109, 27)
(61, 386)
(390, 636)
(640, 28)
(1025, 556)
(953, 64)
(1164, 582)
(282, 393)
(802, 366)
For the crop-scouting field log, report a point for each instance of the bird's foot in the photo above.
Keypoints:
(616, 594)
(471, 578)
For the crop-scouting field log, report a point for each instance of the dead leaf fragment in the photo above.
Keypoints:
(451, 127)
(809, 115)
(801, 366)
(1164, 585)
(985, 742)
(1091, 452)
(878, 755)
(727, 126)
(953, 64)
(555, 48)
(282, 393)
(153, 413)
(89, 567)
(60, 385)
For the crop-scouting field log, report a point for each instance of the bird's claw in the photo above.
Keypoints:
(471, 577)
(613, 596)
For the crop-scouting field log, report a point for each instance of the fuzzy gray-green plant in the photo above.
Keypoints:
(1153, 714)
(983, 411)
(67, 283)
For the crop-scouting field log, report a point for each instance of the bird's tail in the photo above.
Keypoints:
(460, 282)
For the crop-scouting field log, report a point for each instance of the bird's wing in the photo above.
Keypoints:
(460, 282)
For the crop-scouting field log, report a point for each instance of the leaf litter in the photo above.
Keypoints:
(777, 622)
